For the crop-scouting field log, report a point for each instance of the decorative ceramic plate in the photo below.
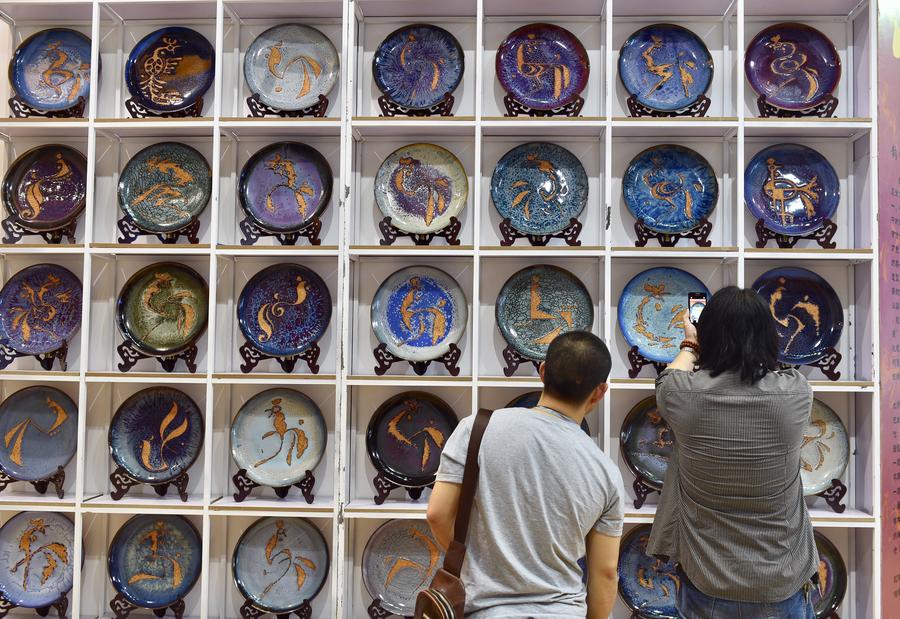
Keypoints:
(155, 559)
(539, 187)
(400, 559)
(542, 66)
(531, 399)
(647, 585)
(406, 435)
(40, 309)
(165, 187)
(45, 187)
(51, 69)
(37, 550)
(280, 563)
(832, 578)
(650, 310)
(162, 309)
(156, 435)
(671, 188)
(665, 67)
(792, 188)
(421, 187)
(418, 312)
(284, 186)
(807, 311)
(825, 453)
(39, 426)
(277, 436)
(284, 309)
(418, 66)
(647, 442)
(170, 69)
(539, 303)
(794, 66)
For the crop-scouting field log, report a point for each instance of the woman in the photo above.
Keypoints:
(732, 513)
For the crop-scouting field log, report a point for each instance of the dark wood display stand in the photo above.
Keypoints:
(194, 110)
(122, 608)
(375, 611)
(389, 233)
(130, 232)
(698, 109)
(384, 486)
(828, 364)
(826, 109)
(252, 232)
(514, 108)
(822, 236)
(641, 490)
(123, 482)
(699, 234)
(834, 494)
(569, 234)
(58, 479)
(249, 611)
(13, 232)
(244, 485)
(514, 359)
(258, 109)
(252, 357)
(638, 361)
(20, 109)
(61, 606)
(8, 355)
(389, 108)
(130, 356)
(385, 360)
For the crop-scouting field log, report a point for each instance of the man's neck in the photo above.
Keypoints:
(575, 413)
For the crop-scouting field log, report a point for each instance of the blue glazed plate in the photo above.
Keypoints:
(418, 312)
(51, 69)
(539, 187)
(39, 427)
(45, 187)
(807, 311)
(647, 442)
(829, 593)
(825, 452)
(539, 303)
(277, 436)
(156, 434)
(418, 66)
(665, 67)
(37, 550)
(647, 585)
(279, 563)
(155, 559)
(530, 400)
(792, 188)
(672, 189)
(650, 310)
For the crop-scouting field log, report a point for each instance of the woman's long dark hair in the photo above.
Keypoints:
(737, 333)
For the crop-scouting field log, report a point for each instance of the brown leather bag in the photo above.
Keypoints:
(446, 597)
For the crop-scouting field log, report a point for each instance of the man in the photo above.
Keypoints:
(547, 496)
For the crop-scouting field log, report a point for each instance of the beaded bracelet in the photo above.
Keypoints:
(694, 347)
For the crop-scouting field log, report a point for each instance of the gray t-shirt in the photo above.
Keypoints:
(543, 485)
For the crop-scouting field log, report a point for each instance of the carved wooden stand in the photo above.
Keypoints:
(258, 109)
(252, 232)
(130, 356)
(514, 359)
(569, 234)
(828, 364)
(389, 233)
(826, 109)
(641, 491)
(8, 355)
(384, 486)
(20, 109)
(14, 232)
(252, 356)
(442, 108)
(834, 494)
(61, 605)
(249, 611)
(822, 236)
(514, 108)
(375, 611)
(130, 232)
(58, 479)
(244, 485)
(385, 360)
(638, 361)
(122, 608)
(122, 482)
(698, 109)
(699, 234)
(137, 110)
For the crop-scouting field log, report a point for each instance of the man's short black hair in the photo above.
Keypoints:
(577, 362)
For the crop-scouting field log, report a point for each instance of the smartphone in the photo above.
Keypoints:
(696, 303)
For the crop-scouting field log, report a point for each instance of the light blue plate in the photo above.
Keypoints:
(37, 550)
(825, 452)
(648, 586)
(39, 432)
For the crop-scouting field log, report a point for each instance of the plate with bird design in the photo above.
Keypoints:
(665, 67)
(400, 560)
(807, 311)
(647, 585)
(45, 188)
(825, 452)
(792, 188)
(793, 66)
(650, 311)
(162, 309)
(539, 187)
(37, 550)
(155, 559)
(421, 187)
(277, 436)
(828, 594)
(418, 312)
(280, 563)
(537, 304)
(531, 399)
(170, 69)
(40, 309)
(646, 442)
(542, 66)
(406, 436)
(156, 435)
(165, 187)
(51, 69)
(284, 186)
(284, 309)
(39, 426)
(670, 188)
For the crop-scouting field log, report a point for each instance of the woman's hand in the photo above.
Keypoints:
(685, 359)
(690, 329)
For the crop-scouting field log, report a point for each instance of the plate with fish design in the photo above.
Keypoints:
(792, 188)
(531, 399)
(37, 550)
(162, 309)
(45, 188)
(277, 436)
(647, 442)
(539, 187)
(418, 312)
(808, 314)
(155, 559)
(156, 435)
(832, 586)
(399, 560)
(51, 70)
(279, 564)
(825, 452)
(650, 309)
(284, 186)
(284, 309)
(40, 309)
(647, 585)
(670, 188)
(665, 67)
(793, 66)
(39, 426)
(421, 187)
(165, 187)
(170, 69)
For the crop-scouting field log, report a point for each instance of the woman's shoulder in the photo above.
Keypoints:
(787, 381)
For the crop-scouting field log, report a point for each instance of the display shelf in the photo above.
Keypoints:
(271, 506)
(555, 125)
(364, 127)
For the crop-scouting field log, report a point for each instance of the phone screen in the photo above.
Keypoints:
(696, 303)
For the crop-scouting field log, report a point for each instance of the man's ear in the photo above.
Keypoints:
(598, 393)
(541, 370)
